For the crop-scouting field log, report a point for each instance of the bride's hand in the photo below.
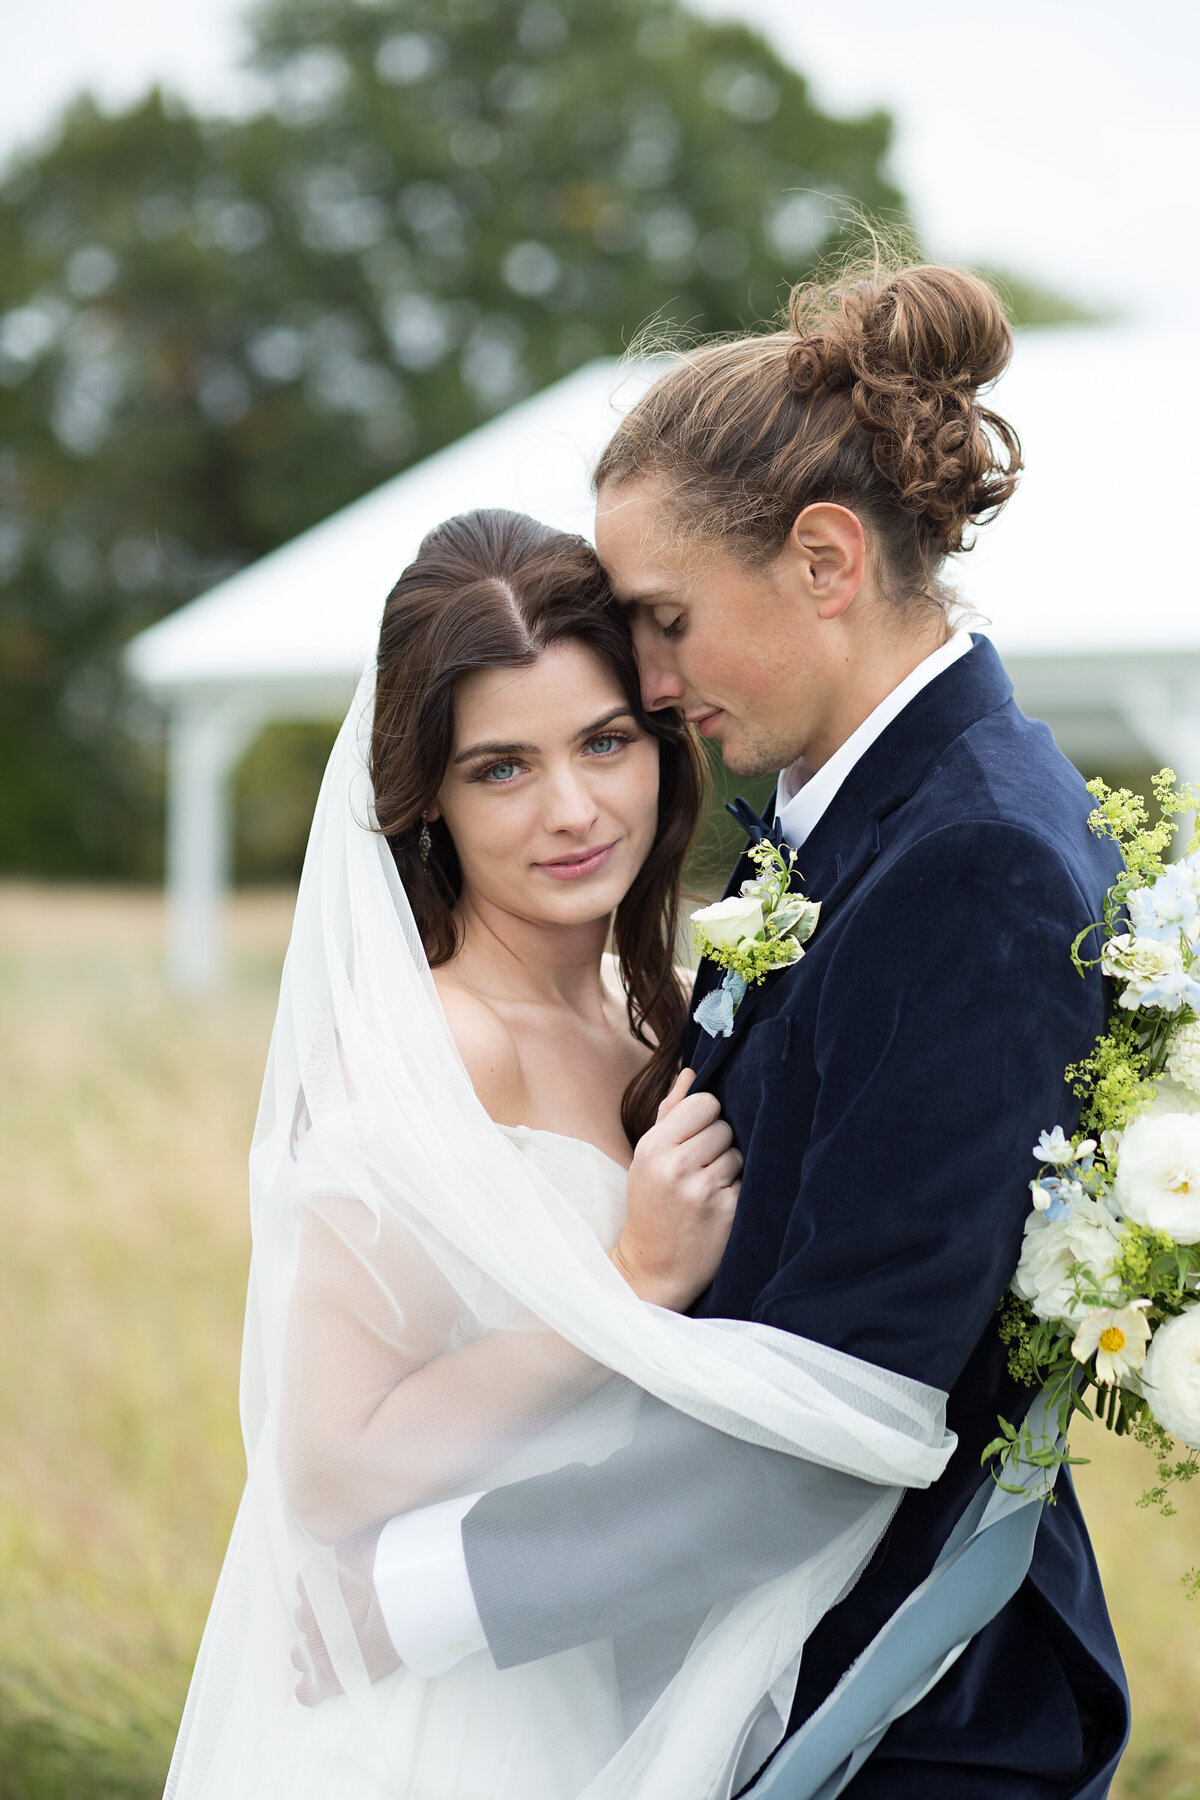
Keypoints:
(310, 1655)
(682, 1192)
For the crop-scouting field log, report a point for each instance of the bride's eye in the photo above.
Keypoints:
(607, 742)
(499, 774)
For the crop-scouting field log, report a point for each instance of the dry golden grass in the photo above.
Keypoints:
(125, 1118)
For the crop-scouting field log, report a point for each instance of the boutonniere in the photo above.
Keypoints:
(763, 928)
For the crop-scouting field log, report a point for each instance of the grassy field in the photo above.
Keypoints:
(125, 1117)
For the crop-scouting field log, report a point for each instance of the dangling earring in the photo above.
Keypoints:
(424, 842)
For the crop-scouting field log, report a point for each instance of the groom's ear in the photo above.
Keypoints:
(827, 550)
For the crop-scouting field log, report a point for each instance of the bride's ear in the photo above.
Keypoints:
(432, 811)
(827, 552)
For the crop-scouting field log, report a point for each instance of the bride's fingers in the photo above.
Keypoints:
(675, 1093)
(317, 1682)
(703, 1147)
(726, 1170)
(304, 1615)
(318, 1678)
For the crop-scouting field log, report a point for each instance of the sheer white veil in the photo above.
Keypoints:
(430, 1315)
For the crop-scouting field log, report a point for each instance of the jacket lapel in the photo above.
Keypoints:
(846, 837)
(841, 846)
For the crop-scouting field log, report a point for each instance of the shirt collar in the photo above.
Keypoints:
(803, 796)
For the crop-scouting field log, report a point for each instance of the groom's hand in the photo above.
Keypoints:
(681, 1197)
(310, 1655)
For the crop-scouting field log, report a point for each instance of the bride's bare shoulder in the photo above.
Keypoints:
(487, 1046)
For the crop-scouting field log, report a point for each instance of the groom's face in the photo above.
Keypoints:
(729, 643)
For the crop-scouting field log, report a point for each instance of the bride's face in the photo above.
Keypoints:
(551, 795)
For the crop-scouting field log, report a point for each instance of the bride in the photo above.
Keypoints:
(482, 1200)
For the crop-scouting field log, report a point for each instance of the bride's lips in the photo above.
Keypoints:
(571, 868)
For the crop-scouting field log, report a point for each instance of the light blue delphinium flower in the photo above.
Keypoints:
(1167, 907)
(1172, 991)
(1055, 1195)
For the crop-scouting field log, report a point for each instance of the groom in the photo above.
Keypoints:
(886, 1093)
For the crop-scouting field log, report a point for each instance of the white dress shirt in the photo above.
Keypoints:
(420, 1569)
(803, 797)
(424, 1589)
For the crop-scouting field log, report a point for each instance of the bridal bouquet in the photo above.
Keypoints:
(1106, 1296)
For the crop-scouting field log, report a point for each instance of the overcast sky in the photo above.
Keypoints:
(1059, 138)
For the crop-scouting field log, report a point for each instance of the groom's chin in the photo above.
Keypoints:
(747, 762)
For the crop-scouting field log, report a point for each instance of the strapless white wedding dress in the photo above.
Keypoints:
(473, 1734)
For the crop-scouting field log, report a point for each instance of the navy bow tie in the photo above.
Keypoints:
(756, 829)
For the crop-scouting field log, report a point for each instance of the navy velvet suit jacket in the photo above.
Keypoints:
(886, 1093)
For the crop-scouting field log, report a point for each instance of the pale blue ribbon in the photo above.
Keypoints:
(981, 1566)
(715, 1012)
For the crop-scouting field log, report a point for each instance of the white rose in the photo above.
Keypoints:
(1171, 1377)
(731, 922)
(1052, 1246)
(1158, 1176)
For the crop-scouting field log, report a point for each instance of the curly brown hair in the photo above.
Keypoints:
(869, 398)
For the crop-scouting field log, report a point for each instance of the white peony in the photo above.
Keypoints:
(1171, 1377)
(728, 923)
(1183, 1059)
(1050, 1249)
(1158, 1177)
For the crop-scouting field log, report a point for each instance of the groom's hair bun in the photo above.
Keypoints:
(910, 351)
(869, 397)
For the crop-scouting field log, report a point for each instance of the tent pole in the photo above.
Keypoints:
(206, 740)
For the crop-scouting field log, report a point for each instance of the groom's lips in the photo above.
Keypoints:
(570, 868)
(704, 722)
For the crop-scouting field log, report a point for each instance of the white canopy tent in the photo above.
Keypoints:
(1086, 582)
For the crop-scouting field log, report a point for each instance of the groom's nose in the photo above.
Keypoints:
(661, 685)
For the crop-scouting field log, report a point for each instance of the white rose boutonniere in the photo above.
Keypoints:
(730, 922)
(763, 928)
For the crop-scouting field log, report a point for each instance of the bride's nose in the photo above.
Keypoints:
(569, 802)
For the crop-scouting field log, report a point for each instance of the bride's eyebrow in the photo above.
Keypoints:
(476, 750)
(473, 751)
(593, 730)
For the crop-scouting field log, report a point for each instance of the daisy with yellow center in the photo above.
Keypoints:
(1116, 1337)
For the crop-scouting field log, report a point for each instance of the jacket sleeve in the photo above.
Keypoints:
(654, 1533)
(948, 1013)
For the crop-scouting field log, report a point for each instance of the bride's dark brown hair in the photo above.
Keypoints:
(494, 589)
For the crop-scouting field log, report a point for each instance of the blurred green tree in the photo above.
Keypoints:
(214, 333)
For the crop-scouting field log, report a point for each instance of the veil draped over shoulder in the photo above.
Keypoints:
(430, 1315)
